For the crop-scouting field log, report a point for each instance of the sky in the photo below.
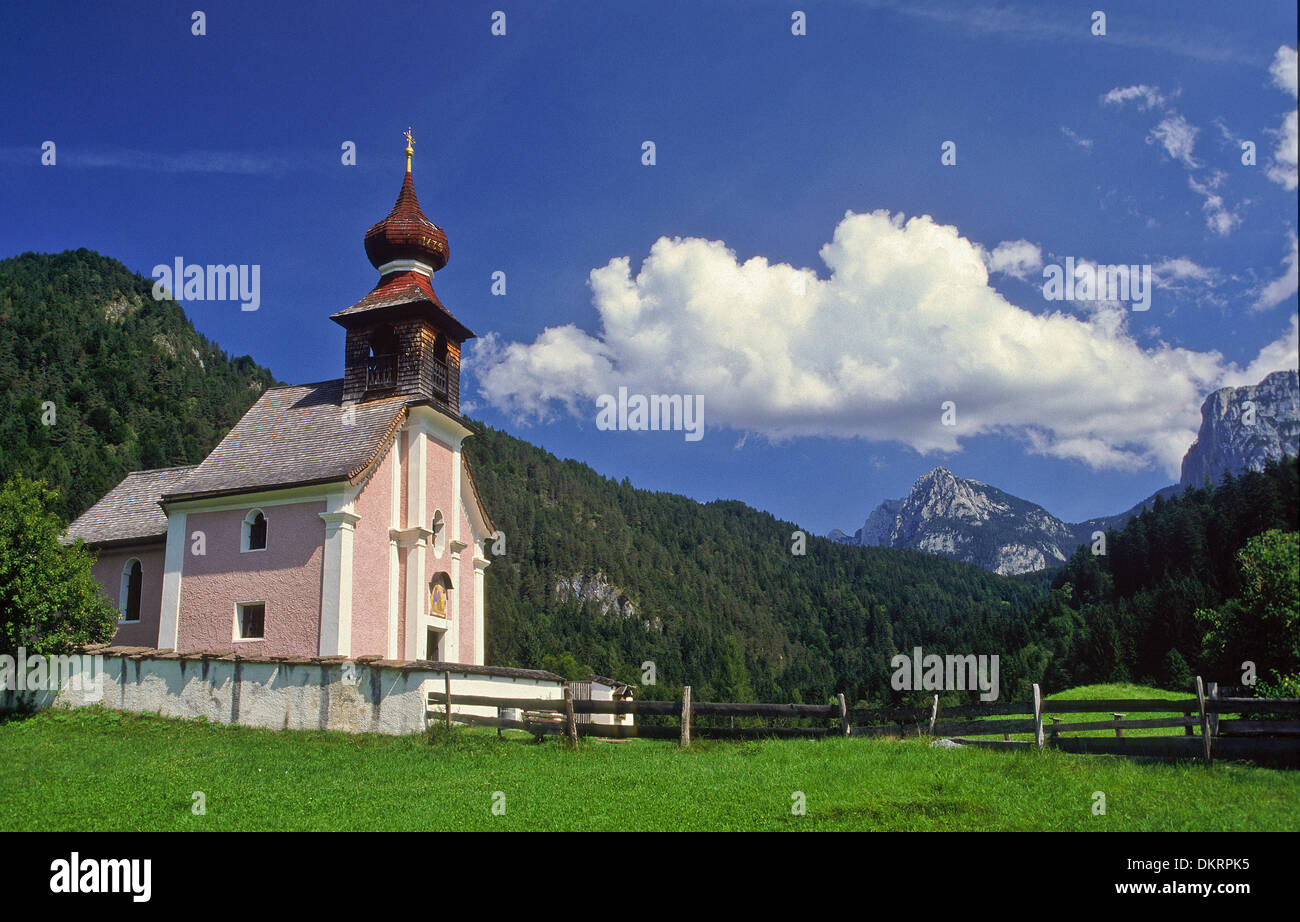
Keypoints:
(842, 246)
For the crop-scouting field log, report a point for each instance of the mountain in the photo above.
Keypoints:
(1243, 428)
(970, 521)
(100, 379)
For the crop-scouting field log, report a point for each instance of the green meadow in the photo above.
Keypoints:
(95, 769)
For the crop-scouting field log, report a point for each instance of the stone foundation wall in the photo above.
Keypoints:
(365, 695)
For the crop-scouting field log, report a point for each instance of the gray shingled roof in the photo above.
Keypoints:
(296, 435)
(130, 511)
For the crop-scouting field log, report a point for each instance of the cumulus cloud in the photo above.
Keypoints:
(1284, 286)
(1147, 97)
(904, 321)
(1019, 258)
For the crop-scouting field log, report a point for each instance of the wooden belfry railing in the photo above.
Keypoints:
(381, 371)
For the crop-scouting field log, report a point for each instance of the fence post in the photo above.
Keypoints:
(1119, 733)
(1052, 734)
(447, 675)
(686, 716)
(1205, 720)
(569, 718)
(500, 717)
(934, 714)
(1038, 715)
(1212, 692)
(844, 715)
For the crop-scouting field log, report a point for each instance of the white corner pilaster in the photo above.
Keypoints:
(453, 603)
(455, 493)
(336, 584)
(481, 563)
(394, 559)
(415, 541)
(169, 618)
(415, 537)
(394, 642)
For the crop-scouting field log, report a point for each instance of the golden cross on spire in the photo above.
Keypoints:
(410, 148)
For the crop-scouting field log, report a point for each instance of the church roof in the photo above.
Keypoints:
(295, 436)
(130, 511)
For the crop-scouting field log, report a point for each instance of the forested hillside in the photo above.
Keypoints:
(132, 384)
(600, 576)
(719, 599)
(1131, 614)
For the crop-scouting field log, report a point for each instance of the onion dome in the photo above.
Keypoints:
(406, 239)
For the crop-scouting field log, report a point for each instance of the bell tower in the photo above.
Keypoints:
(401, 340)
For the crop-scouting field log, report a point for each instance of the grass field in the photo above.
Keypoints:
(95, 769)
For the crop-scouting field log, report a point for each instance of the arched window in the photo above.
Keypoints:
(254, 534)
(439, 533)
(128, 599)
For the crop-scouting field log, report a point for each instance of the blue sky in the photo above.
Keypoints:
(1116, 149)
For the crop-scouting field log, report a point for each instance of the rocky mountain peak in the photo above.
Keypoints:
(1242, 428)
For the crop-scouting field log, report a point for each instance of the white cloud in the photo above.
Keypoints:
(1283, 168)
(1147, 97)
(1279, 355)
(1283, 70)
(1177, 135)
(1179, 269)
(1085, 143)
(1218, 217)
(1285, 285)
(905, 320)
(192, 161)
(1015, 257)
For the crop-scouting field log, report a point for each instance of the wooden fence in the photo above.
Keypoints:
(1204, 733)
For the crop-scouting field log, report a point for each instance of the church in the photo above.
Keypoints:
(334, 519)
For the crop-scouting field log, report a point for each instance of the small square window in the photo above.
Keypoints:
(250, 621)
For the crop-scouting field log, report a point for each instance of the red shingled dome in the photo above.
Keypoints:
(407, 234)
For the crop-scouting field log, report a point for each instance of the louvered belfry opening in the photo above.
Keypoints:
(401, 340)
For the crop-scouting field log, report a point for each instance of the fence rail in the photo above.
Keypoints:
(1243, 737)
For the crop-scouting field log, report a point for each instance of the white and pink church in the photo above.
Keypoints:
(336, 519)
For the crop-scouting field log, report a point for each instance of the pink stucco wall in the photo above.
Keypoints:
(370, 563)
(108, 572)
(287, 576)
